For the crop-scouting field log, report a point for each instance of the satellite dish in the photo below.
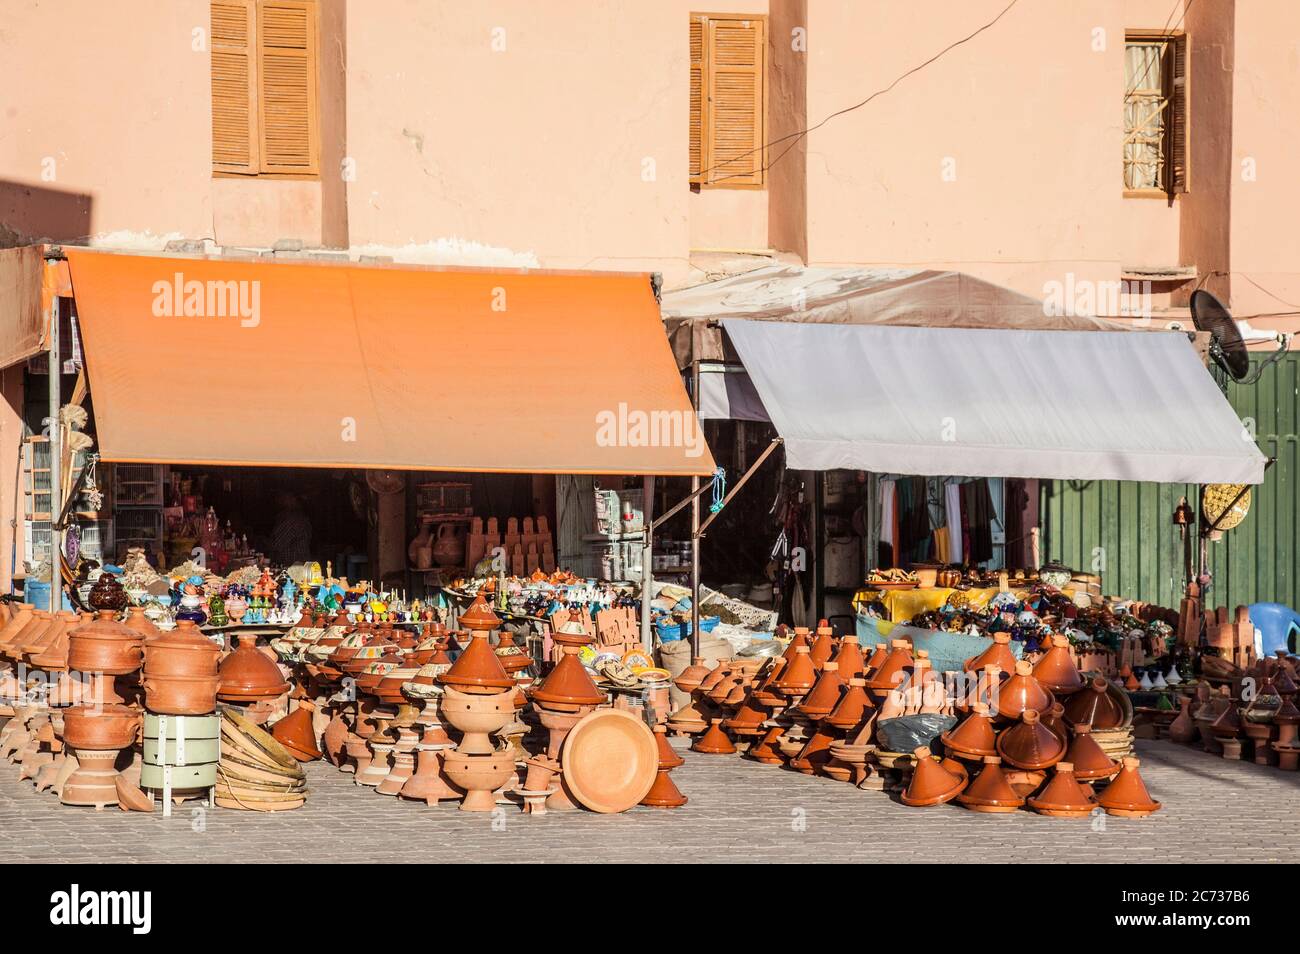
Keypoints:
(1227, 348)
(385, 481)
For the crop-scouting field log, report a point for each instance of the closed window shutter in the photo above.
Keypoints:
(287, 106)
(734, 102)
(1177, 150)
(234, 106)
(697, 134)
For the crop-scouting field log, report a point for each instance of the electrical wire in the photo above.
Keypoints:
(797, 136)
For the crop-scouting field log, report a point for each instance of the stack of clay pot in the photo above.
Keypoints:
(101, 726)
(560, 702)
(256, 772)
(1263, 724)
(478, 699)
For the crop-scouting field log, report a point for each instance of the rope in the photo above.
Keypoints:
(719, 490)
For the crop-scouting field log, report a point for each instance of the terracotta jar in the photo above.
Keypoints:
(1183, 729)
(104, 645)
(1095, 707)
(999, 654)
(1056, 670)
(1127, 795)
(990, 791)
(247, 675)
(1021, 692)
(1063, 796)
(1029, 744)
(931, 783)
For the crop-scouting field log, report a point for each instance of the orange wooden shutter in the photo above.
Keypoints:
(287, 106)
(234, 68)
(734, 106)
(1176, 174)
(698, 137)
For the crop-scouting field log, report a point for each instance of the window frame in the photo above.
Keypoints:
(1169, 192)
(258, 132)
(705, 73)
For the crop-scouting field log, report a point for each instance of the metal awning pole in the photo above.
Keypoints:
(56, 452)
(695, 520)
(647, 561)
(767, 452)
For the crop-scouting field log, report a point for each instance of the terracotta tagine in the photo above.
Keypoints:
(248, 675)
(1029, 744)
(296, 733)
(1063, 796)
(999, 654)
(853, 708)
(1089, 761)
(989, 791)
(1094, 706)
(825, 693)
(1056, 670)
(478, 669)
(142, 624)
(664, 793)
(849, 658)
(1127, 795)
(975, 738)
(714, 741)
(181, 672)
(104, 645)
(96, 734)
(1021, 692)
(893, 671)
(931, 783)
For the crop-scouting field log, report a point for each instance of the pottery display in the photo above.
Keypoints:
(1029, 744)
(1127, 795)
(931, 783)
(1063, 796)
(989, 791)
(248, 675)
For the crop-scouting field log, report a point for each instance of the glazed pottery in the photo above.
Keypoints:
(610, 761)
(107, 594)
(974, 738)
(931, 783)
(1029, 744)
(1056, 670)
(999, 654)
(1063, 796)
(1094, 706)
(1022, 691)
(1127, 795)
(989, 791)
(247, 675)
(1089, 761)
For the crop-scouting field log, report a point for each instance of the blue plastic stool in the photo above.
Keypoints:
(1276, 622)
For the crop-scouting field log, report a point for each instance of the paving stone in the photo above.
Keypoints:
(1215, 811)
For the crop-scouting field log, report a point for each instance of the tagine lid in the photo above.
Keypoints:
(568, 684)
(479, 617)
(931, 783)
(1029, 744)
(1057, 670)
(248, 673)
(990, 787)
(1128, 792)
(974, 736)
(1062, 794)
(477, 667)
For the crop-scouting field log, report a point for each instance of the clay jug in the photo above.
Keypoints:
(1183, 729)
(448, 546)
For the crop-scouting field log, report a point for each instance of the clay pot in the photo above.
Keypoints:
(184, 651)
(181, 695)
(931, 783)
(852, 708)
(247, 675)
(104, 645)
(100, 728)
(568, 684)
(1063, 796)
(664, 793)
(990, 791)
(1094, 706)
(479, 776)
(478, 716)
(825, 694)
(610, 761)
(136, 620)
(1020, 693)
(690, 678)
(430, 783)
(1056, 670)
(478, 669)
(799, 674)
(895, 669)
(1087, 757)
(479, 616)
(296, 733)
(999, 654)
(823, 645)
(1127, 795)
(974, 738)
(1029, 744)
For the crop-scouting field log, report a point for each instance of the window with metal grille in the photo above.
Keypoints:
(1155, 114)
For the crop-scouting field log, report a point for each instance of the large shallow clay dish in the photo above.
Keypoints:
(609, 761)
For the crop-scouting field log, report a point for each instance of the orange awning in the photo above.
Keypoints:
(318, 364)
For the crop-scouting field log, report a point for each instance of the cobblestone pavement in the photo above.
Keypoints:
(1215, 811)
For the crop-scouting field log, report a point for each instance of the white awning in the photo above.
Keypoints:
(1089, 405)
